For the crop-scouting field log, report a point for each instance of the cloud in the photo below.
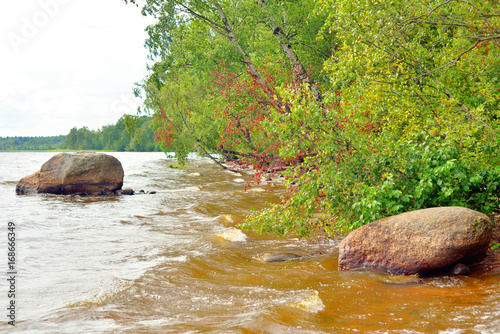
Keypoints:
(77, 69)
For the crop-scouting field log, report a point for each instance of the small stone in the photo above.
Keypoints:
(279, 257)
(460, 269)
(128, 191)
(400, 280)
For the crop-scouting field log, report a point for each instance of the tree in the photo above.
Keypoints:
(71, 139)
(415, 89)
(198, 39)
(411, 77)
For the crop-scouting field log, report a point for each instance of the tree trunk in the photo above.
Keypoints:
(275, 99)
(299, 72)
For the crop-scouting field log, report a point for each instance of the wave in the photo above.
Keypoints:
(103, 296)
(8, 182)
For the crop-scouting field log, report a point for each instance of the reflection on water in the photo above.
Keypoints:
(174, 262)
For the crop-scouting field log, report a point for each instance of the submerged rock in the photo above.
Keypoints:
(311, 303)
(400, 280)
(421, 242)
(283, 257)
(87, 173)
(279, 257)
(233, 234)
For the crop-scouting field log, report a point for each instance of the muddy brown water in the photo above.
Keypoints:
(174, 262)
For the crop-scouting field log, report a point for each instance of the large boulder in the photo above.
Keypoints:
(423, 242)
(491, 262)
(75, 173)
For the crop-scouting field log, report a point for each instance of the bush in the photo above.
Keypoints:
(428, 173)
(395, 177)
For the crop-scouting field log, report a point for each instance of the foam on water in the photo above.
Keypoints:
(452, 331)
(239, 180)
(226, 218)
(233, 173)
(180, 258)
(194, 189)
(256, 190)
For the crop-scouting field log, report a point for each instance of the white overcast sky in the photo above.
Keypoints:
(66, 63)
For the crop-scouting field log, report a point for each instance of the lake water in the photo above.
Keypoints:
(173, 262)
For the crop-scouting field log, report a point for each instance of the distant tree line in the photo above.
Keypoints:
(128, 134)
(31, 143)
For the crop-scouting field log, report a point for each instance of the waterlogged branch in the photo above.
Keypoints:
(210, 156)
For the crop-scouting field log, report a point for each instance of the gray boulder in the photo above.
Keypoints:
(424, 242)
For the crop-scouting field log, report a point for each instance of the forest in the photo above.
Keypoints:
(128, 134)
(369, 108)
(31, 143)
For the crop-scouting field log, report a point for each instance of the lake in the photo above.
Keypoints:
(174, 262)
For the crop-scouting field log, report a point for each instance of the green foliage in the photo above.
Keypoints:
(365, 186)
(427, 172)
(411, 62)
(401, 114)
(415, 109)
(177, 166)
(217, 64)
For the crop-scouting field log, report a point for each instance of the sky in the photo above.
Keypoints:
(67, 63)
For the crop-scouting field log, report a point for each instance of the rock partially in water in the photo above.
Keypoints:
(460, 269)
(279, 257)
(424, 242)
(311, 303)
(232, 234)
(284, 257)
(400, 280)
(128, 191)
(87, 173)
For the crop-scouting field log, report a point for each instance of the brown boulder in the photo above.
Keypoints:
(422, 242)
(75, 173)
